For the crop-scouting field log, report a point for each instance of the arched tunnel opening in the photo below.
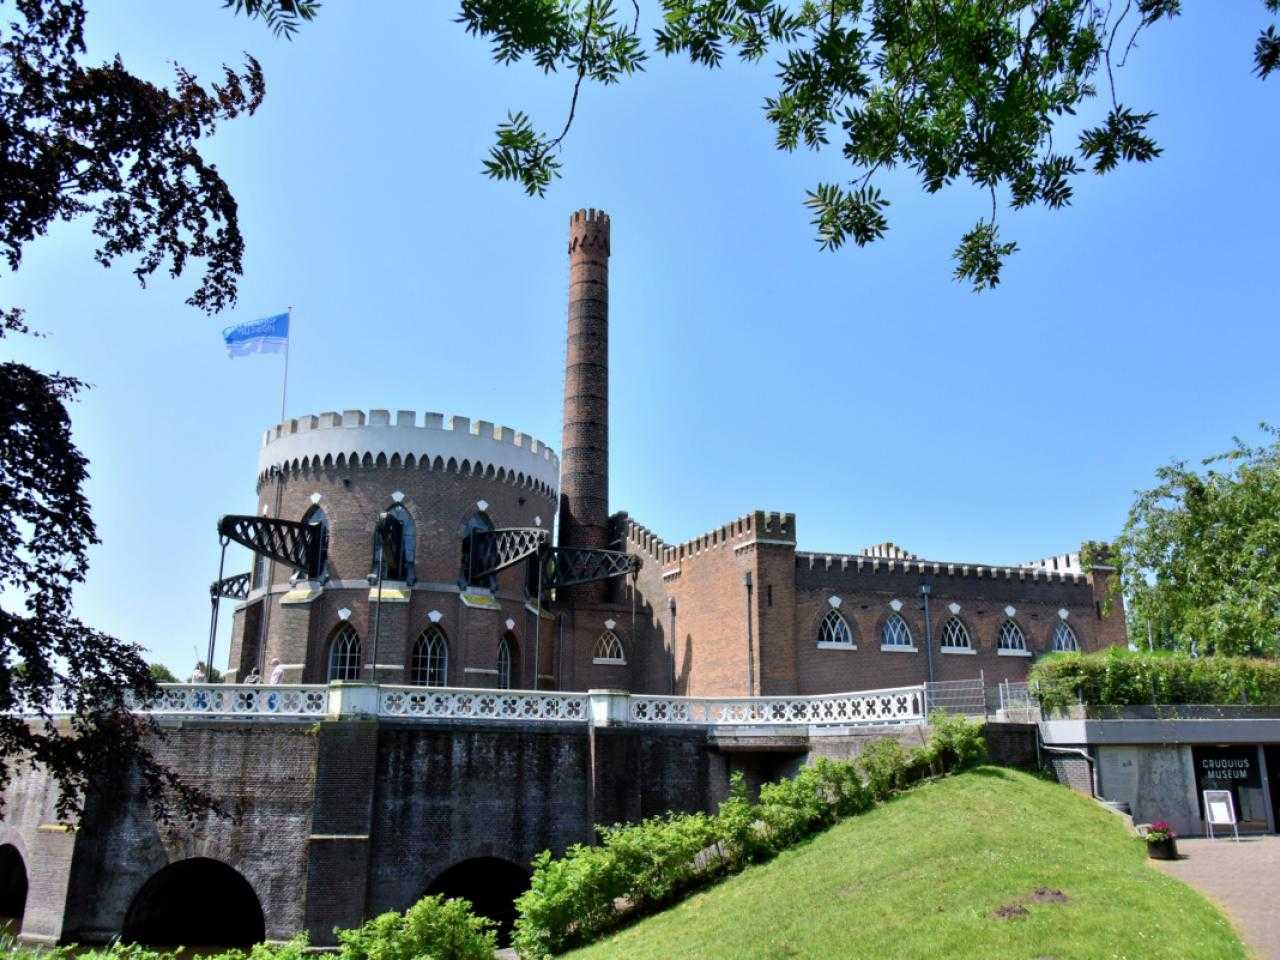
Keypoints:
(196, 903)
(13, 888)
(491, 884)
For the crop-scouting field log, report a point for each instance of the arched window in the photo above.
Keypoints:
(834, 631)
(478, 523)
(344, 654)
(896, 633)
(508, 663)
(400, 542)
(318, 516)
(608, 649)
(1010, 637)
(259, 571)
(1064, 638)
(955, 635)
(430, 665)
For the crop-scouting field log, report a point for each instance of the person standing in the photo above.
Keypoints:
(277, 673)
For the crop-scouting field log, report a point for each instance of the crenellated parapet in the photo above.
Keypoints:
(645, 540)
(436, 442)
(860, 563)
(759, 526)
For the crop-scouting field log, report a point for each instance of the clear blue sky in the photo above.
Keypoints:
(863, 390)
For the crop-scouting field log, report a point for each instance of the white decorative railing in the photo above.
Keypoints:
(227, 699)
(455, 703)
(599, 707)
(898, 705)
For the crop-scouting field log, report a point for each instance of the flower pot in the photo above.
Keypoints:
(1166, 849)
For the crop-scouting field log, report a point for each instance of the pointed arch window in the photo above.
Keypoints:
(478, 523)
(1064, 638)
(955, 635)
(609, 650)
(317, 515)
(834, 631)
(344, 654)
(1010, 639)
(508, 664)
(896, 633)
(430, 664)
(400, 544)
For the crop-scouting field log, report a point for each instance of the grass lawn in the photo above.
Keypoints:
(922, 877)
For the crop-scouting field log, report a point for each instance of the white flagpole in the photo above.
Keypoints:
(284, 392)
(265, 623)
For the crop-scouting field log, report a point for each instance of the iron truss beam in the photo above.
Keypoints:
(299, 545)
(231, 588)
(569, 566)
(494, 550)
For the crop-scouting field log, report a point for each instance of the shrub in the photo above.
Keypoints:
(956, 742)
(1121, 677)
(882, 763)
(740, 835)
(659, 857)
(433, 927)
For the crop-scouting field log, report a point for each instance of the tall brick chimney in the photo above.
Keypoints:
(584, 448)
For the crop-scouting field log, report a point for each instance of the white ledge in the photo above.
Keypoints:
(959, 650)
(609, 661)
(1015, 653)
(827, 645)
(897, 648)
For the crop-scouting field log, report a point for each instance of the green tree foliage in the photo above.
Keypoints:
(1199, 557)
(981, 92)
(161, 674)
(89, 141)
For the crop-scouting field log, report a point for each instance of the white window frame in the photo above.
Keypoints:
(432, 646)
(1065, 628)
(897, 626)
(607, 644)
(346, 638)
(1005, 640)
(833, 625)
(950, 629)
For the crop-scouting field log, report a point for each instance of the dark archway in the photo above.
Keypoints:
(197, 903)
(13, 888)
(492, 885)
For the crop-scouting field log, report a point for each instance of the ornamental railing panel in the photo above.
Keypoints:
(230, 699)
(452, 703)
(868, 707)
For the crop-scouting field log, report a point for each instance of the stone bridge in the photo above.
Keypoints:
(344, 801)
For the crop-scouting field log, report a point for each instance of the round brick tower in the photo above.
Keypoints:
(584, 453)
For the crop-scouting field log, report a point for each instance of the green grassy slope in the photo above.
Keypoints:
(921, 876)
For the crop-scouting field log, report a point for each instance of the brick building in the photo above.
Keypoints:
(739, 610)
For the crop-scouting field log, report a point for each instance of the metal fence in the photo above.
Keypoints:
(1018, 702)
(968, 697)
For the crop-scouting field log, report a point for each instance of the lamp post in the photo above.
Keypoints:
(381, 532)
(925, 590)
(751, 666)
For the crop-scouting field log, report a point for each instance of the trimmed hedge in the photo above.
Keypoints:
(638, 868)
(1119, 677)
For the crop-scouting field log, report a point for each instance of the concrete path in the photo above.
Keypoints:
(1243, 878)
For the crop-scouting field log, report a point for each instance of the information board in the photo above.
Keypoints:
(1219, 810)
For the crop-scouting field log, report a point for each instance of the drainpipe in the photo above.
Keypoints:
(671, 605)
(925, 590)
(1078, 752)
(377, 615)
(751, 667)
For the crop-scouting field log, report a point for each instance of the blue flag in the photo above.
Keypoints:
(268, 335)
